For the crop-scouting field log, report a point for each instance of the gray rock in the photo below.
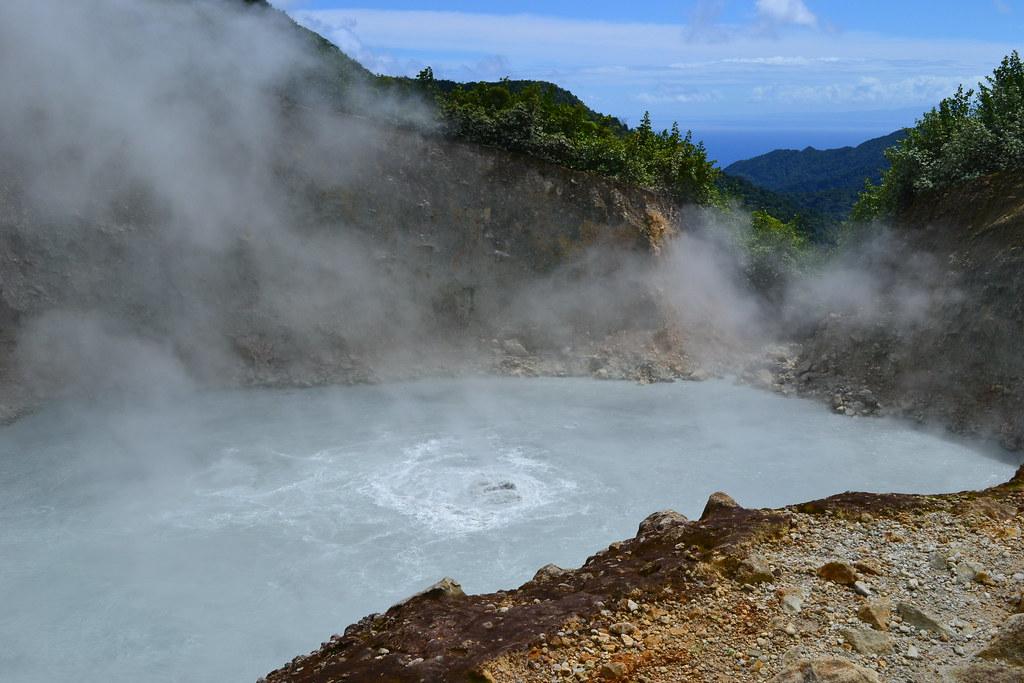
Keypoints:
(700, 375)
(792, 600)
(968, 571)
(867, 641)
(659, 521)
(1008, 645)
(986, 672)
(825, 670)
(718, 502)
(861, 588)
(920, 619)
(938, 561)
(548, 572)
(514, 347)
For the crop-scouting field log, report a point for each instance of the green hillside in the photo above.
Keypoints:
(556, 93)
(972, 133)
(820, 185)
(817, 225)
(535, 118)
(815, 170)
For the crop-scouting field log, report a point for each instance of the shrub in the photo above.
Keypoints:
(970, 134)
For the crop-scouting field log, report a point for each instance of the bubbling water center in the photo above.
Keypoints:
(157, 541)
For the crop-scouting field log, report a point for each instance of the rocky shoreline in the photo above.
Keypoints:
(856, 587)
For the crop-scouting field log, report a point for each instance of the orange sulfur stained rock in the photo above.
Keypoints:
(838, 572)
(876, 614)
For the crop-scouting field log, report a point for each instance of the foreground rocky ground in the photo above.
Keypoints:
(853, 588)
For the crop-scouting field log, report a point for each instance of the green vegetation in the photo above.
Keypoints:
(812, 170)
(549, 123)
(776, 250)
(970, 134)
(817, 226)
(822, 185)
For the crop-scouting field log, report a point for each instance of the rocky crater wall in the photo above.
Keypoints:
(383, 240)
(958, 359)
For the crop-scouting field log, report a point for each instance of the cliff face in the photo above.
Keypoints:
(959, 361)
(389, 240)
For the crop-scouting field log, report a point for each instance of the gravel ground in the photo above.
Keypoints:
(963, 568)
(855, 588)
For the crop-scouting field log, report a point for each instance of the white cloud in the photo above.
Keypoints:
(786, 12)
(521, 34)
(555, 42)
(343, 33)
(621, 67)
(680, 97)
(865, 90)
(777, 60)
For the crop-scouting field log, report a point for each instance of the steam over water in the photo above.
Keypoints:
(214, 540)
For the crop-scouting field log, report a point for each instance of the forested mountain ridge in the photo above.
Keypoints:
(816, 186)
(814, 170)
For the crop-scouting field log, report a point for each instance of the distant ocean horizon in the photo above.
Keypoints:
(727, 145)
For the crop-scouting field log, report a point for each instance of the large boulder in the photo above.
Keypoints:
(919, 619)
(838, 572)
(867, 641)
(444, 589)
(876, 613)
(659, 521)
(718, 502)
(549, 572)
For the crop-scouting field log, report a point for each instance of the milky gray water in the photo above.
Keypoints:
(216, 538)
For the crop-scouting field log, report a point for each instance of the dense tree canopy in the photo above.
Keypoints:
(968, 135)
(540, 120)
(775, 251)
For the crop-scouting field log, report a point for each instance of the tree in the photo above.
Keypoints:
(541, 120)
(426, 76)
(775, 250)
(969, 134)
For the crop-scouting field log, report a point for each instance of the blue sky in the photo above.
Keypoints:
(746, 75)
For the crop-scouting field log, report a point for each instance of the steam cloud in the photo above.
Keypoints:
(176, 202)
(154, 154)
